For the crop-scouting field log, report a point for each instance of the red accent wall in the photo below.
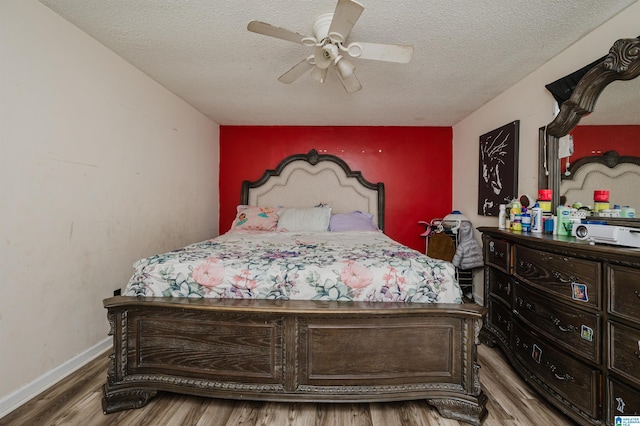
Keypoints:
(415, 164)
(596, 140)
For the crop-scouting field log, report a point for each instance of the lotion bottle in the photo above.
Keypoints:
(536, 219)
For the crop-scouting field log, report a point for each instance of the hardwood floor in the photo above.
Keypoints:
(77, 401)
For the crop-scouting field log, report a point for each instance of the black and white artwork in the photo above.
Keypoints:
(498, 183)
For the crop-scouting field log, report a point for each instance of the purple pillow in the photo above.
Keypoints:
(354, 221)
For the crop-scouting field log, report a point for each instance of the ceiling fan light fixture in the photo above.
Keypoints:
(331, 50)
(336, 37)
(354, 49)
(309, 41)
(322, 58)
(319, 74)
(345, 68)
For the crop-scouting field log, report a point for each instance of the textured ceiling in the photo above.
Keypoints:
(465, 54)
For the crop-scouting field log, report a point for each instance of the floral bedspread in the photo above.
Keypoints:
(350, 266)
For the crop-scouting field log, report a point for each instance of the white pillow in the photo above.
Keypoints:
(311, 219)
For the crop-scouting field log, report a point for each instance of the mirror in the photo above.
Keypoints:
(618, 106)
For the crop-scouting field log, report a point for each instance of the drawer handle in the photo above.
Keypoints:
(519, 343)
(505, 321)
(530, 306)
(507, 287)
(564, 377)
(568, 329)
(637, 293)
(526, 265)
(560, 277)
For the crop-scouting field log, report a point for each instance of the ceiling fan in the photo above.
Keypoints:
(329, 42)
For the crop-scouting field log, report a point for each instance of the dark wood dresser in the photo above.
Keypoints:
(567, 315)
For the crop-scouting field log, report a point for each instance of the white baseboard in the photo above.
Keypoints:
(42, 383)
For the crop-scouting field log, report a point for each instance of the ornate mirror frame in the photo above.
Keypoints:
(622, 63)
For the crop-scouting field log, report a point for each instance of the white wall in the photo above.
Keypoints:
(529, 102)
(99, 166)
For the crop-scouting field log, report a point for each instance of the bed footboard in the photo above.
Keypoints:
(311, 351)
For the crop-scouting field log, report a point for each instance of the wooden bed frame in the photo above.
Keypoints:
(287, 350)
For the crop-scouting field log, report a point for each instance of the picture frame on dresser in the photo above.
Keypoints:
(498, 177)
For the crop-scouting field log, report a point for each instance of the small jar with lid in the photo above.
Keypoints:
(600, 200)
(544, 199)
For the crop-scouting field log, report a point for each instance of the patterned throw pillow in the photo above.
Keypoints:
(253, 218)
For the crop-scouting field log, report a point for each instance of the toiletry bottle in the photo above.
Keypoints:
(516, 207)
(548, 223)
(526, 220)
(502, 217)
(564, 221)
(516, 225)
(536, 219)
(616, 211)
(514, 215)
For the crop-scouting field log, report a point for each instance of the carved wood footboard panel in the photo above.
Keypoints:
(311, 351)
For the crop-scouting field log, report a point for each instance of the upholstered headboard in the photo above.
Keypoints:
(618, 174)
(305, 180)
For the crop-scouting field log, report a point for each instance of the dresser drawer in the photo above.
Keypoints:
(578, 331)
(555, 370)
(496, 253)
(622, 400)
(624, 351)
(572, 279)
(500, 285)
(500, 319)
(624, 292)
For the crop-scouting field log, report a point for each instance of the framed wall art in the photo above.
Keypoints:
(498, 181)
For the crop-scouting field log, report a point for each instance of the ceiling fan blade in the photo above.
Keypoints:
(276, 32)
(296, 72)
(351, 84)
(344, 18)
(401, 53)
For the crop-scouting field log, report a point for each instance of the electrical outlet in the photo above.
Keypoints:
(117, 292)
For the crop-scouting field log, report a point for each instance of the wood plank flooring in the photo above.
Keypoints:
(76, 400)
